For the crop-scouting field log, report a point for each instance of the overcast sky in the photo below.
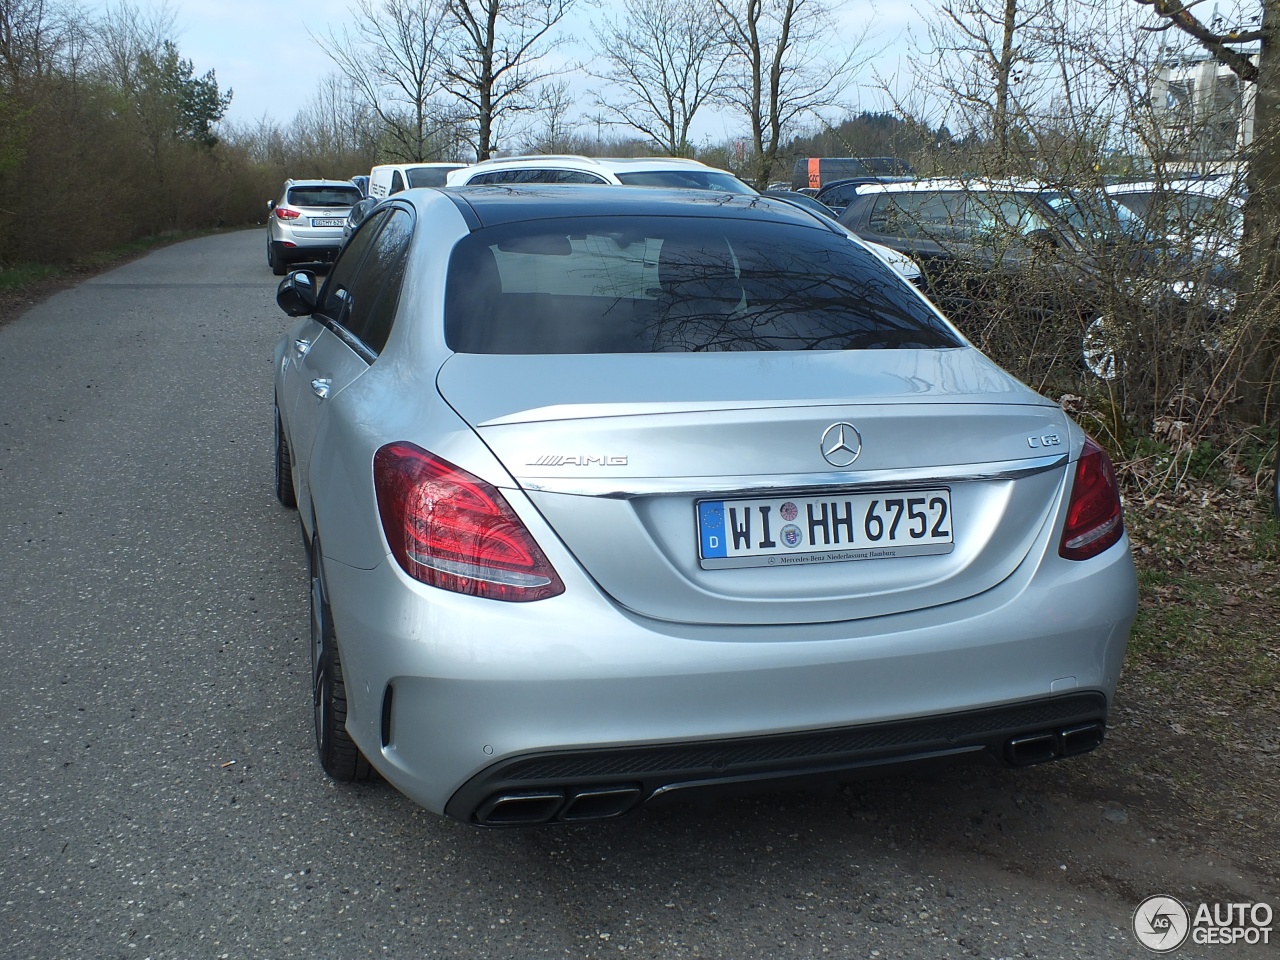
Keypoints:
(261, 50)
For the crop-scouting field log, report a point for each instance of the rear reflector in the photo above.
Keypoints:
(450, 529)
(1095, 520)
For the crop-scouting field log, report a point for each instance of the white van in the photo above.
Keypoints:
(388, 178)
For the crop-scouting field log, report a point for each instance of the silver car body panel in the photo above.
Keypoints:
(478, 682)
(659, 450)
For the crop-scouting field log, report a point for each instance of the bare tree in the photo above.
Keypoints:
(555, 103)
(983, 55)
(125, 35)
(665, 65)
(32, 36)
(336, 127)
(497, 48)
(784, 66)
(393, 56)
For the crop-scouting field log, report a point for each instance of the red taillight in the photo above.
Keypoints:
(452, 530)
(1094, 517)
(284, 213)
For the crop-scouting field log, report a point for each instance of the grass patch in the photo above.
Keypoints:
(1208, 636)
(18, 278)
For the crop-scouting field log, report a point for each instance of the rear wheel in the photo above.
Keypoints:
(339, 755)
(283, 467)
(1099, 348)
(279, 266)
(1275, 484)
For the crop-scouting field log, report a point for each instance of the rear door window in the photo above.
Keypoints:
(335, 295)
(375, 289)
(539, 175)
(925, 214)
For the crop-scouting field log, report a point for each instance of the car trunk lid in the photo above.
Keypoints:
(627, 456)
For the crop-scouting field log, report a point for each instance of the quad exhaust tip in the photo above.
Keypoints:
(576, 805)
(1053, 744)
(585, 804)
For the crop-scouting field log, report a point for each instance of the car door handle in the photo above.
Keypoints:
(320, 387)
(301, 347)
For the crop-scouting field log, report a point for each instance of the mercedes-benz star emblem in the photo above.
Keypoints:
(841, 444)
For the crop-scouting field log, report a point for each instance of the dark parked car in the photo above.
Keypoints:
(1047, 259)
(837, 194)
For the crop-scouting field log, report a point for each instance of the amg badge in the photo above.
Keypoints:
(585, 460)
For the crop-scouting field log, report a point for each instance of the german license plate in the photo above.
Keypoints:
(784, 531)
(328, 221)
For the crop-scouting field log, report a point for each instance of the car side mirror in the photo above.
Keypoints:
(297, 294)
(271, 204)
(360, 212)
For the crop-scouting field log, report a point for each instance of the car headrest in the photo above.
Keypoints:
(701, 269)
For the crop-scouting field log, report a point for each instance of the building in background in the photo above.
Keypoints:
(1204, 114)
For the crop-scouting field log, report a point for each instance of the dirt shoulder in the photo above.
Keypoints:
(14, 304)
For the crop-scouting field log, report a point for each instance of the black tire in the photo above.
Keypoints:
(339, 755)
(279, 266)
(1275, 484)
(283, 468)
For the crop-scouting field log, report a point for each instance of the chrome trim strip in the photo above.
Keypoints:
(702, 487)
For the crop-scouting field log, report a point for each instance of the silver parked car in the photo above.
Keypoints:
(614, 492)
(306, 222)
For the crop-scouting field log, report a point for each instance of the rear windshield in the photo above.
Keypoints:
(335, 196)
(689, 179)
(427, 176)
(647, 285)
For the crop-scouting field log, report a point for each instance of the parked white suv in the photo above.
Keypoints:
(306, 222)
(633, 171)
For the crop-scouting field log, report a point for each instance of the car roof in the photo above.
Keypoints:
(1225, 187)
(574, 161)
(319, 183)
(965, 184)
(451, 164)
(491, 205)
(861, 180)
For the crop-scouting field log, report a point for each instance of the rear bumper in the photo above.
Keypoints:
(581, 785)
(293, 250)
(458, 701)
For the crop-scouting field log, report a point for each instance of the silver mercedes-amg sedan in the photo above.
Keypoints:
(615, 492)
